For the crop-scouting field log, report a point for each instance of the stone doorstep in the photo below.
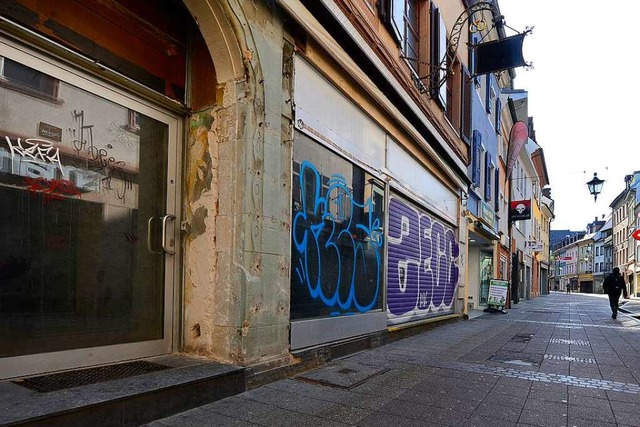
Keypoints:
(132, 401)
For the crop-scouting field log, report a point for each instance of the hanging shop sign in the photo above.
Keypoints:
(487, 215)
(497, 293)
(498, 55)
(534, 245)
(520, 210)
(636, 234)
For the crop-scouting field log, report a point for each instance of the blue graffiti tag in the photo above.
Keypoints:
(337, 243)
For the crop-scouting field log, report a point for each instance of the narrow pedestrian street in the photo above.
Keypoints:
(557, 360)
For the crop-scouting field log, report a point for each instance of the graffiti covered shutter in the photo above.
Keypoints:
(423, 267)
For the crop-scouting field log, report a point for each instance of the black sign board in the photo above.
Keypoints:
(498, 55)
(49, 131)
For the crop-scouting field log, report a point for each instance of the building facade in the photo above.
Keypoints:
(176, 182)
(600, 269)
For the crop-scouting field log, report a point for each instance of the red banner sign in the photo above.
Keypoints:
(636, 234)
(517, 138)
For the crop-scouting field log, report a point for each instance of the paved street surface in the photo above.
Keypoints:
(558, 360)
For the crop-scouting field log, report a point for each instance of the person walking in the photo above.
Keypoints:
(614, 285)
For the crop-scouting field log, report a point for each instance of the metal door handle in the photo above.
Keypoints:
(165, 248)
(149, 237)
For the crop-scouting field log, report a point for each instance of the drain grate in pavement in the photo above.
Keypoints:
(570, 342)
(342, 375)
(570, 359)
(513, 358)
(64, 380)
(522, 338)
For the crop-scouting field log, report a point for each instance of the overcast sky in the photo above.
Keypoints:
(584, 97)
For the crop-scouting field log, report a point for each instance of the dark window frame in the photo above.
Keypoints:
(498, 120)
(488, 104)
(12, 77)
(476, 162)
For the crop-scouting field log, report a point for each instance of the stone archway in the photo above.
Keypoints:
(230, 277)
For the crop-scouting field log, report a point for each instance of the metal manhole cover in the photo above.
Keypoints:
(342, 375)
(64, 380)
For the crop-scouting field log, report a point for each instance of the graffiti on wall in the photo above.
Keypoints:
(51, 189)
(36, 151)
(337, 246)
(423, 266)
(114, 177)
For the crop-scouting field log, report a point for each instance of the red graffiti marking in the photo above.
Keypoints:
(52, 189)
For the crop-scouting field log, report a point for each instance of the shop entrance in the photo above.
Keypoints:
(486, 274)
(88, 219)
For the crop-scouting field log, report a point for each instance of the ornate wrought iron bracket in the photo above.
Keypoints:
(452, 46)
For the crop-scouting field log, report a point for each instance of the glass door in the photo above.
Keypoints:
(87, 219)
(486, 274)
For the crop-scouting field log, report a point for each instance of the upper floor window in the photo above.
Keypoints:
(454, 109)
(465, 101)
(489, 95)
(476, 159)
(411, 33)
(488, 175)
(498, 115)
(403, 19)
(438, 53)
(28, 81)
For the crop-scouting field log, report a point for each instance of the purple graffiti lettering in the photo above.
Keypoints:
(423, 255)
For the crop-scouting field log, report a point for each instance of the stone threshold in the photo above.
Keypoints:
(132, 401)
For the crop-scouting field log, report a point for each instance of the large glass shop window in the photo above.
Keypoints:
(80, 179)
(337, 231)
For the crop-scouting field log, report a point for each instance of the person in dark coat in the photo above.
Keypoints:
(614, 285)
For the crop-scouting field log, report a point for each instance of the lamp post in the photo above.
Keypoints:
(595, 186)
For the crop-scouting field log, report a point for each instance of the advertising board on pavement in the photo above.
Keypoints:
(498, 293)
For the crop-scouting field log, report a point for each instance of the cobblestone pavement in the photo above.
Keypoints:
(557, 360)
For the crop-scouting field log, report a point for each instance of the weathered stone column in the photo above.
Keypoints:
(237, 193)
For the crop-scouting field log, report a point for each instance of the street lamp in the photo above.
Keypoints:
(595, 186)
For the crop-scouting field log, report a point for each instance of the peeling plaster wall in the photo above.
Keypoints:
(237, 195)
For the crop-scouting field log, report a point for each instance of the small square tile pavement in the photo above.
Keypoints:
(444, 377)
